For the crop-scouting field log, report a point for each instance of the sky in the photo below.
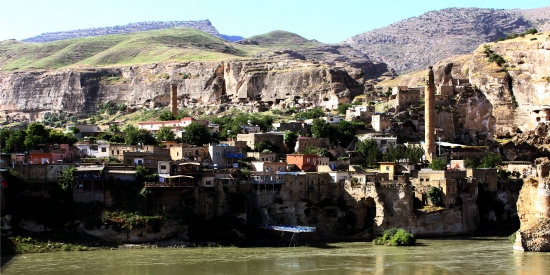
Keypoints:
(329, 21)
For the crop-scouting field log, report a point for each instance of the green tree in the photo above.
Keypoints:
(469, 163)
(66, 180)
(145, 137)
(114, 128)
(131, 135)
(196, 134)
(369, 149)
(165, 134)
(311, 114)
(342, 108)
(414, 153)
(320, 128)
(167, 116)
(435, 196)
(116, 139)
(290, 140)
(438, 164)
(36, 136)
(266, 145)
(395, 153)
(490, 160)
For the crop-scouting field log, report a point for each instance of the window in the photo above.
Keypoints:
(268, 169)
(117, 152)
(149, 161)
(208, 182)
(163, 167)
(280, 169)
(103, 150)
(308, 160)
(177, 154)
(387, 168)
(218, 153)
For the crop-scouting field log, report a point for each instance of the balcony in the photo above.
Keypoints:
(234, 156)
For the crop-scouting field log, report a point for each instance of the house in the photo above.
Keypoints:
(299, 127)
(118, 150)
(333, 119)
(146, 159)
(381, 122)
(262, 156)
(225, 156)
(303, 142)
(189, 152)
(252, 139)
(306, 163)
(84, 130)
(89, 184)
(176, 125)
(98, 150)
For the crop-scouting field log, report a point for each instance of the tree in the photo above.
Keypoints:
(114, 128)
(66, 180)
(37, 135)
(145, 137)
(167, 116)
(435, 196)
(131, 135)
(469, 163)
(395, 153)
(290, 140)
(196, 134)
(311, 114)
(266, 145)
(320, 128)
(342, 108)
(438, 164)
(490, 160)
(414, 153)
(370, 151)
(165, 134)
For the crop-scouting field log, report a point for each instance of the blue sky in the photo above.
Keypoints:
(329, 21)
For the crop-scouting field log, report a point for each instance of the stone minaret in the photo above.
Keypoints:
(174, 99)
(429, 115)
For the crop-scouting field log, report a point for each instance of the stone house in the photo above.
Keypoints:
(118, 150)
(225, 156)
(261, 156)
(253, 138)
(303, 142)
(189, 152)
(146, 159)
(381, 122)
(299, 127)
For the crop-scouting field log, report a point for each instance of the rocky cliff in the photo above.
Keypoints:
(534, 211)
(415, 43)
(279, 83)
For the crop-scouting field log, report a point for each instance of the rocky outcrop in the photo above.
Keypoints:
(170, 228)
(279, 83)
(534, 211)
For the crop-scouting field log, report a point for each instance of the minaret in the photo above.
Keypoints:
(429, 116)
(174, 99)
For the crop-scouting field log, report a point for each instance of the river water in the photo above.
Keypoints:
(431, 256)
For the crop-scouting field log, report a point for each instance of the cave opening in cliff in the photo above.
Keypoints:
(370, 207)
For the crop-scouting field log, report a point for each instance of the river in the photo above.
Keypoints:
(470, 256)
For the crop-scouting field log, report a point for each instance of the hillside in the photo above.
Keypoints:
(118, 49)
(201, 25)
(414, 43)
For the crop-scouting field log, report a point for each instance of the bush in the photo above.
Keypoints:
(435, 196)
(395, 237)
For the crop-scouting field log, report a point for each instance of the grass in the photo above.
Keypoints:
(26, 242)
(283, 39)
(178, 44)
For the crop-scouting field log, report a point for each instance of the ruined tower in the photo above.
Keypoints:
(429, 115)
(174, 99)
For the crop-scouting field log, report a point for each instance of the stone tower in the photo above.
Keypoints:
(174, 99)
(429, 115)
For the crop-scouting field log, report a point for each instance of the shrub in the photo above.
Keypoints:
(435, 196)
(395, 237)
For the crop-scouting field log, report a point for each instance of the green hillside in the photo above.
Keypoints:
(280, 39)
(178, 44)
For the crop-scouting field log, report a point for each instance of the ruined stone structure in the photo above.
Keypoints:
(174, 99)
(533, 207)
(429, 115)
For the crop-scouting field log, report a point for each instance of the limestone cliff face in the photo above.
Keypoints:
(27, 95)
(534, 211)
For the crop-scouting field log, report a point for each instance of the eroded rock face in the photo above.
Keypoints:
(534, 211)
(28, 95)
(169, 229)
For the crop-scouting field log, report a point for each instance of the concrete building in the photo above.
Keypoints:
(225, 156)
(306, 163)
